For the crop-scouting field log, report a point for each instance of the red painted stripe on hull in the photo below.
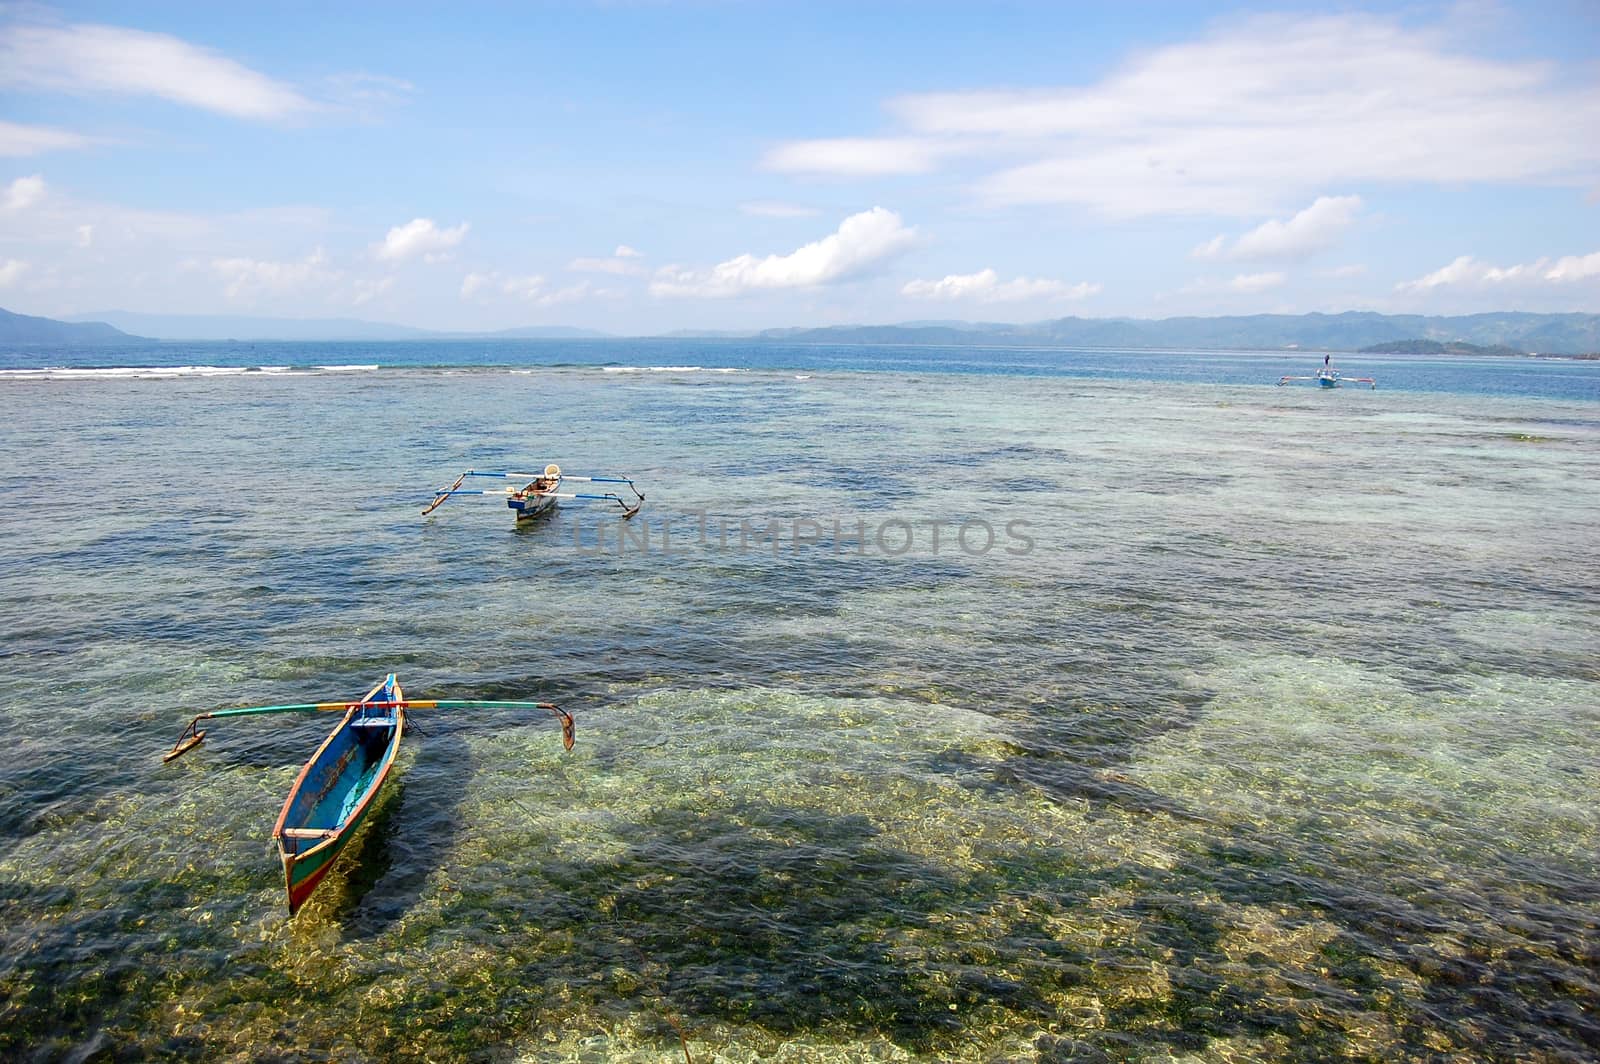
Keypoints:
(300, 892)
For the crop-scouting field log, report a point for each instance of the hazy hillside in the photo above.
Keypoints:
(537, 332)
(237, 327)
(1350, 331)
(27, 329)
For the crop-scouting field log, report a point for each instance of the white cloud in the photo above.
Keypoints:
(1354, 269)
(1255, 282)
(527, 288)
(856, 156)
(419, 237)
(1468, 272)
(85, 235)
(17, 141)
(364, 91)
(1314, 229)
(24, 192)
(985, 286)
(1463, 269)
(10, 271)
(366, 290)
(1239, 284)
(773, 209)
(87, 58)
(621, 262)
(248, 278)
(1574, 268)
(862, 242)
(1250, 118)
(570, 294)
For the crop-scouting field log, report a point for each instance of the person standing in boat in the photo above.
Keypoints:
(1327, 360)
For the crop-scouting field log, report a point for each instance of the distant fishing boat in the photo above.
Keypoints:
(540, 492)
(1327, 377)
(337, 788)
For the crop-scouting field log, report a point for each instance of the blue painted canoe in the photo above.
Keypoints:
(337, 788)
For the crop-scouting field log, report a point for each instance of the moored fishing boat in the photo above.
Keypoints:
(1328, 377)
(540, 492)
(336, 789)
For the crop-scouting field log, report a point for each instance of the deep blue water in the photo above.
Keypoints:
(1550, 378)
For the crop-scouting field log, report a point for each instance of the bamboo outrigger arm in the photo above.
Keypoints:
(551, 475)
(194, 735)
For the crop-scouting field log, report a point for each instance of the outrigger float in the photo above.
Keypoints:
(540, 492)
(337, 788)
(1328, 377)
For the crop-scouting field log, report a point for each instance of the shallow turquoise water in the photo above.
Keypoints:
(1265, 729)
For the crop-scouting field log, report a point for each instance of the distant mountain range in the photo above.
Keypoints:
(1350, 331)
(1500, 332)
(234, 327)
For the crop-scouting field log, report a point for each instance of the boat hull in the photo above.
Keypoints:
(530, 506)
(336, 790)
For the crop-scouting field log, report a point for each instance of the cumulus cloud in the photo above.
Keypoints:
(247, 278)
(87, 58)
(985, 286)
(482, 287)
(570, 294)
(10, 271)
(365, 290)
(1253, 116)
(1314, 229)
(862, 242)
(856, 157)
(17, 141)
(1465, 270)
(24, 192)
(1574, 268)
(1468, 272)
(621, 262)
(528, 288)
(1239, 284)
(420, 237)
(774, 209)
(365, 91)
(1255, 282)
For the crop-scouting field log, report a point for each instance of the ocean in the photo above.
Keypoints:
(978, 704)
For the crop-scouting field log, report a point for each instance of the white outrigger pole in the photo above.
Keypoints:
(540, 492)
(1328, 377)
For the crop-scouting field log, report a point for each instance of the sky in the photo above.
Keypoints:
(644, 167)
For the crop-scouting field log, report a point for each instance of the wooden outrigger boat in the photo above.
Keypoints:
(337, 788)
(540, 492)
(1328, 377)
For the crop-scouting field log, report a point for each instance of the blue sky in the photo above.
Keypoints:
(643, 167)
